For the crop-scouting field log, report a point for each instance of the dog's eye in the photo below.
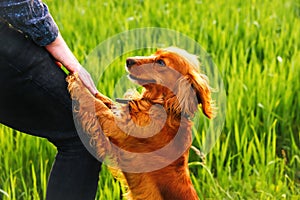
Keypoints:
(161, 62)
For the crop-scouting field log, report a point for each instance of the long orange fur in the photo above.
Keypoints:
(173, 85)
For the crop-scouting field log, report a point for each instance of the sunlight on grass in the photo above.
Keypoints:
(255, 45)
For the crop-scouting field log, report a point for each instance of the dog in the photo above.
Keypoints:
(147, 136)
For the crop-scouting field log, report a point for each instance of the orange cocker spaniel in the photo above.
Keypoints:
(148, 136)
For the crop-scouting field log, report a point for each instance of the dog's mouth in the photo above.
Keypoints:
(140, 81)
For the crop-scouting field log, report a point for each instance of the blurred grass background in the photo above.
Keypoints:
(255, 45)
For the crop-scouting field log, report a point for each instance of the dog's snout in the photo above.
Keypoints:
(130, 62)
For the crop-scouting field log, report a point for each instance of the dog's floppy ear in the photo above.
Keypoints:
(202, 89)
(192, 90)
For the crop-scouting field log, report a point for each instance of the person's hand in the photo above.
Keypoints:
(61, 52)
(86, 79)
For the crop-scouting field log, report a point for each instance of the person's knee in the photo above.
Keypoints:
(70, 146)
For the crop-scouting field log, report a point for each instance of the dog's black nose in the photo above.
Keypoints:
(130, 62)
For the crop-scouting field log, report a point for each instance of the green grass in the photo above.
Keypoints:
(255, 45)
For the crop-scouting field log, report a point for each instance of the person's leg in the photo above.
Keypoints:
(34, 99)
(74, 173)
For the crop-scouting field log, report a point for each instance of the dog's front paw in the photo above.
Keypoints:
(107, 101)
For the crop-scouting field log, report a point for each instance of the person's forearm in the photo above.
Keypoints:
(61, 52)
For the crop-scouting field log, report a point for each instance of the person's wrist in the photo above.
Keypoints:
(73, 67)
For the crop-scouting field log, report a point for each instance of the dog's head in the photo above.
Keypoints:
(171, 74)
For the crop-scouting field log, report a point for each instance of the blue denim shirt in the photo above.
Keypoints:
(31, 17)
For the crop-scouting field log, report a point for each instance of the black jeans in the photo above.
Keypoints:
(34, 99)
